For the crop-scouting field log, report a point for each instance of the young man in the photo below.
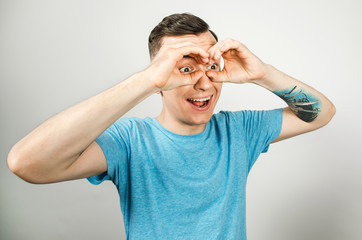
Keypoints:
(183, 174)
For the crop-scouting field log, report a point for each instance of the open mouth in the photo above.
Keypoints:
(199, 102)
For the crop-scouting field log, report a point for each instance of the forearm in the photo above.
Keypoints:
(304, 101)
(58, 142)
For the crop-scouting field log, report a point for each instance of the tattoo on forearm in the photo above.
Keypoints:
(304, 105)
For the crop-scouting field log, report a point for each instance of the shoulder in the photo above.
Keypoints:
(131, 122)
(128, 126)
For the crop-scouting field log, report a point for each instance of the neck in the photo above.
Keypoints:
(178, 127)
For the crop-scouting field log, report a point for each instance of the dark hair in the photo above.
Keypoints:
(176, 25)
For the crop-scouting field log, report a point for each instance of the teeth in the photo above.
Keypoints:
(199, 99)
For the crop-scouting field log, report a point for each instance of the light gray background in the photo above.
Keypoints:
(54, 54)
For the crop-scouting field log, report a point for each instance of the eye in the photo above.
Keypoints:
(213, 67)
(186, 70)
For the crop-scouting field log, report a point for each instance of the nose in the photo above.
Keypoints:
(204, 82)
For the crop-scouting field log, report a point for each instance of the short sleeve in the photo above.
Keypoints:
(260, 129)
(113, 143)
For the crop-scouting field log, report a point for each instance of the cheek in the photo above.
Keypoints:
(218, 86)
(173, 96)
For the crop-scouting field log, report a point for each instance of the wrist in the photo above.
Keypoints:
(138, 85)
(147, 80)
(267, 72)
(269, 78)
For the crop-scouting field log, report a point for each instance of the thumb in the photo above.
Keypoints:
(217, 76)
(191, 79)
(196, 76)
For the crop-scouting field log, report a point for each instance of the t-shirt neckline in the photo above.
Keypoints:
(156, 123)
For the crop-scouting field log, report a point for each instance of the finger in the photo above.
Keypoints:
(215, 50)
(183, 49)
(199, 54)
(241, 49)
(224, 46)
(199, 59)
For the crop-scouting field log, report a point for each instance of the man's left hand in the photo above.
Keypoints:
(240, 65)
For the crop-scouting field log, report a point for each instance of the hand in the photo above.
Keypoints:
(163, 71)
(240, 65)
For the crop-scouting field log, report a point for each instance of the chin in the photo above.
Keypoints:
(199, 120)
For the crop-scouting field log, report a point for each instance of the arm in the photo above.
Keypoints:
(307, 108)
(63, 147)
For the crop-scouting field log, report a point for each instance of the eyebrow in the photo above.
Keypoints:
(189, 57)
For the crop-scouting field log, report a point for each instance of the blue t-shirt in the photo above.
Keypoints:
(175, 186)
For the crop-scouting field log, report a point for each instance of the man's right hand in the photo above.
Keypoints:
(163, 71)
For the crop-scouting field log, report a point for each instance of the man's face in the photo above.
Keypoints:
(191, 105)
